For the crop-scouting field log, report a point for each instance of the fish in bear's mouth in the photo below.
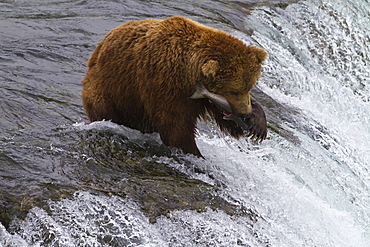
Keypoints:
(253, 124)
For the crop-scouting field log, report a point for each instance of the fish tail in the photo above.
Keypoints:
(199, 92)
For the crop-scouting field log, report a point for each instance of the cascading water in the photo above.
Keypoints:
(308, 184)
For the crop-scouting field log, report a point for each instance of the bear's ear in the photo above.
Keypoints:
(210, 68)
(261, 54)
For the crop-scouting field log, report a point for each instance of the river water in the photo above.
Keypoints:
(67, 182)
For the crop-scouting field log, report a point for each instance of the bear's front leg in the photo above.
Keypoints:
(179, 132)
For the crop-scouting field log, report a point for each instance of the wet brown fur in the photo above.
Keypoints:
(142, 74)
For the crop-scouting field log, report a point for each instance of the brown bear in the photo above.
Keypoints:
(143, 73)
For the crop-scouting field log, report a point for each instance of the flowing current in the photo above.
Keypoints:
(67, 182)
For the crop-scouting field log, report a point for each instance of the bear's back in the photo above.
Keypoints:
(121, 38)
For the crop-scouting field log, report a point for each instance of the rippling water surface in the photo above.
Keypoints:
(67, 182)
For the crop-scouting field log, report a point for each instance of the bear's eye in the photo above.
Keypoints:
(235, 93)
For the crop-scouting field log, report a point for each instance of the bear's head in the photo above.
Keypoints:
(233, 75)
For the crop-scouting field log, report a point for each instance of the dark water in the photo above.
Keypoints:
(65, 182)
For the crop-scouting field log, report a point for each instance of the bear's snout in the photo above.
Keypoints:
(241, 106)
